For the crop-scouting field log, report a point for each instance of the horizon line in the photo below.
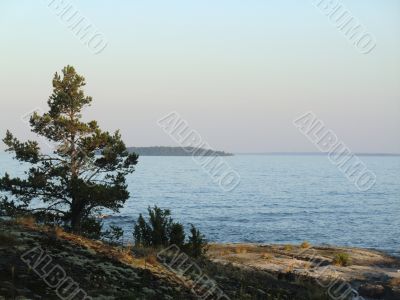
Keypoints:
(273, 152)
(317, 153)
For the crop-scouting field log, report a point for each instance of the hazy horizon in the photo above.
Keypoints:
(239, 73)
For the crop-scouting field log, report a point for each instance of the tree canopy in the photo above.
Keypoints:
(86, 170)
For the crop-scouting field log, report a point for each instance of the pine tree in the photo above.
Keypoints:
(86, 171)
(160, 222)
(142, 233)
(197, 244)
(177, 235)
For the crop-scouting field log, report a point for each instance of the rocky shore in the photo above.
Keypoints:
(96, 270)
(371, 274)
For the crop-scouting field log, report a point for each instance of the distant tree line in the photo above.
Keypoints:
(176, 151)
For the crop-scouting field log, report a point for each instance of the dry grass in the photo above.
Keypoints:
(127, 249)
(240, 249)
(306, 265)
(395, 282)
(123, 255)
(225, 252)
(289, 268)
(58, 231)
(29, 222)
(288, 248)
(305, 245)
(142, 252)
(151, 259)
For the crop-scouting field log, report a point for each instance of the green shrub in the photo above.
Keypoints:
(177, 235)
(113, 235)
(161, 231)
(155, 232)
(91, 228)
(160, 222)
(142, 232)
(342, 259)
(196, 246)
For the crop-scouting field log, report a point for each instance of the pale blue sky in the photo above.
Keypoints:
(238, 71)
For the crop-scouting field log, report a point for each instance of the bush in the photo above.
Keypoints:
(342, 259)
(91, 228)
(196, 246)
(113, 235)
(161, 231)
(142, 233)
(155, 232)
(160, 222)
(177, 235)
(305, 245)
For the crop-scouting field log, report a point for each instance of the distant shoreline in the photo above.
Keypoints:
(209, 152)
(176, 151)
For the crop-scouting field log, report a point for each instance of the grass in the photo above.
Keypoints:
(240, 249)
(225, 252)
(288, 248)
(305, 245)
(142, 252)
(342, 259)
(151, 259)
(29, 222)
(58, 231)
(289, 268)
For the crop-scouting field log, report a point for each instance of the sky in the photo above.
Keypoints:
(239, 72)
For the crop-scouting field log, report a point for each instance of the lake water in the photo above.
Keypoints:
(280, 199)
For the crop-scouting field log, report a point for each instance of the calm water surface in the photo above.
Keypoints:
(281, 199)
